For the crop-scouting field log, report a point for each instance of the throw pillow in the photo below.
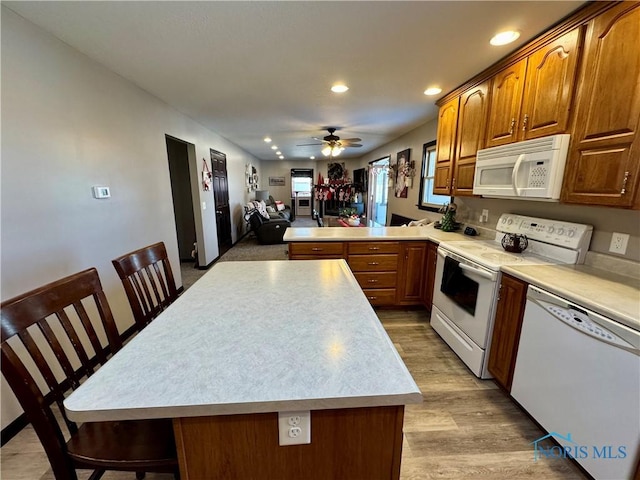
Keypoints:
(279, 205)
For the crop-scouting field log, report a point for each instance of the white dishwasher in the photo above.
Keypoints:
(577, 373)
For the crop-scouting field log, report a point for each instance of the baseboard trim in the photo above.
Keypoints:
(13, 428)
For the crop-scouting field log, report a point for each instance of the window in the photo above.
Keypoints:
(429, 201)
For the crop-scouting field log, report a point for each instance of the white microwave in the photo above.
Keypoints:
(528, 170)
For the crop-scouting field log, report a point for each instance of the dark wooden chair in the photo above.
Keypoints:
(57, 329)
(148, 281)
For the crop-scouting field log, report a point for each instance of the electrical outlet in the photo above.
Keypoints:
(484, 217)
(619, 243)
(294, 428)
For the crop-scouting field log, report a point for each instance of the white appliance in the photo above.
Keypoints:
(468, 276)
(578, 373)
(531, 170)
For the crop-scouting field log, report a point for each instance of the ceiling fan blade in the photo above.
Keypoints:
(356, 145)
(354, 140)
(308, 144)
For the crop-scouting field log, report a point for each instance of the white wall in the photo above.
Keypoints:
(413, 140)
(69, 123)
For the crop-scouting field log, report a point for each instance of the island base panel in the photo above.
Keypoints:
(355, 443)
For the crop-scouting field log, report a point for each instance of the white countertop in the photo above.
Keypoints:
(253, 337)
(350, 234)
(609, 294)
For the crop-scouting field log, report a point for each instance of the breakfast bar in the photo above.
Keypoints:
(249, 340)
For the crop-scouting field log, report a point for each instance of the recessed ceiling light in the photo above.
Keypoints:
(274, 147)
(432, 91)
(281, 157)
(504, 38)
(267, 139)
(339, 88)
(312, 157)
(278, 152)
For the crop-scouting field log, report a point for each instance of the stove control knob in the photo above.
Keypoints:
(571, 233)
(510, 221)
(550, 229)
(561, 231)
(504, 220)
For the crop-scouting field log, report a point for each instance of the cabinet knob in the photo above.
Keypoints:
(524, 122)
(372, 281)
(373, 263)
(374, 248)
(624, 183)
(453, 183)
(513, 126)
(315, 249)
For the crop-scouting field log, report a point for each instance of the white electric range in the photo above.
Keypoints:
(467, 281)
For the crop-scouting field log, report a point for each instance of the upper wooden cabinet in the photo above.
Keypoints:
(532, 98)
(446, 147)
(461, 130)
(603, 167)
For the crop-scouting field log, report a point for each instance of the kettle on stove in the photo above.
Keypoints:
(515, 243)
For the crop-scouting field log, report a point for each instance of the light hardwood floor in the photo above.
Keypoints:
(466, 428)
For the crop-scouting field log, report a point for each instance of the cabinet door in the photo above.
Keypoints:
(604, 159)
(429, 274)
(446, 147)
(506, 330)
(505, 105)
(549, 87)
(472, 120)
(412, 273)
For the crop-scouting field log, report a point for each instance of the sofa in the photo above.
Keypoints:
(268, 231)
(277, 209)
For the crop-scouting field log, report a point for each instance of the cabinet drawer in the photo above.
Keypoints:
(374, 247)
(376, 279)
(373, 263)
(381, 296)
(315, 257)
(316, 248)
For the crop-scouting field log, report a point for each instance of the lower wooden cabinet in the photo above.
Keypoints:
(506, 330)
(429, 272)
(411, 276)
(390, 273)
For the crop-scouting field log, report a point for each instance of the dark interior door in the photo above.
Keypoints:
(221, 197)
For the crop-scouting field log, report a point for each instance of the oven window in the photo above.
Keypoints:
(462, 290)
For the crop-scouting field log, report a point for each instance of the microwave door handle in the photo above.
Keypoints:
(514, 174)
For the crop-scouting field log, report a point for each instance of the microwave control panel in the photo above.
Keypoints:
(555, 232)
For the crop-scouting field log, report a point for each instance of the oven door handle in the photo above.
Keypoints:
(481, 273)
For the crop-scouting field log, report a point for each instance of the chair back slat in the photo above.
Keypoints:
(75, 340)
(61, 356)
(148, 281)
(54, 353)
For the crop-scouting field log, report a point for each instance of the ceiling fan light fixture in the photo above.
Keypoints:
(326, 151)
(432, 91)
(503, 38)
(339, 88)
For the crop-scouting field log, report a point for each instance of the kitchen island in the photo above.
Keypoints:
(249, 340)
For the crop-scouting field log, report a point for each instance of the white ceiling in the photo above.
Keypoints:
(256, 68)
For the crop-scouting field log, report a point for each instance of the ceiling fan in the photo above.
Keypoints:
(333, 144)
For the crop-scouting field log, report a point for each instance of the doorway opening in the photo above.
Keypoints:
(178, 156)
(301, 188)
(378, 192)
